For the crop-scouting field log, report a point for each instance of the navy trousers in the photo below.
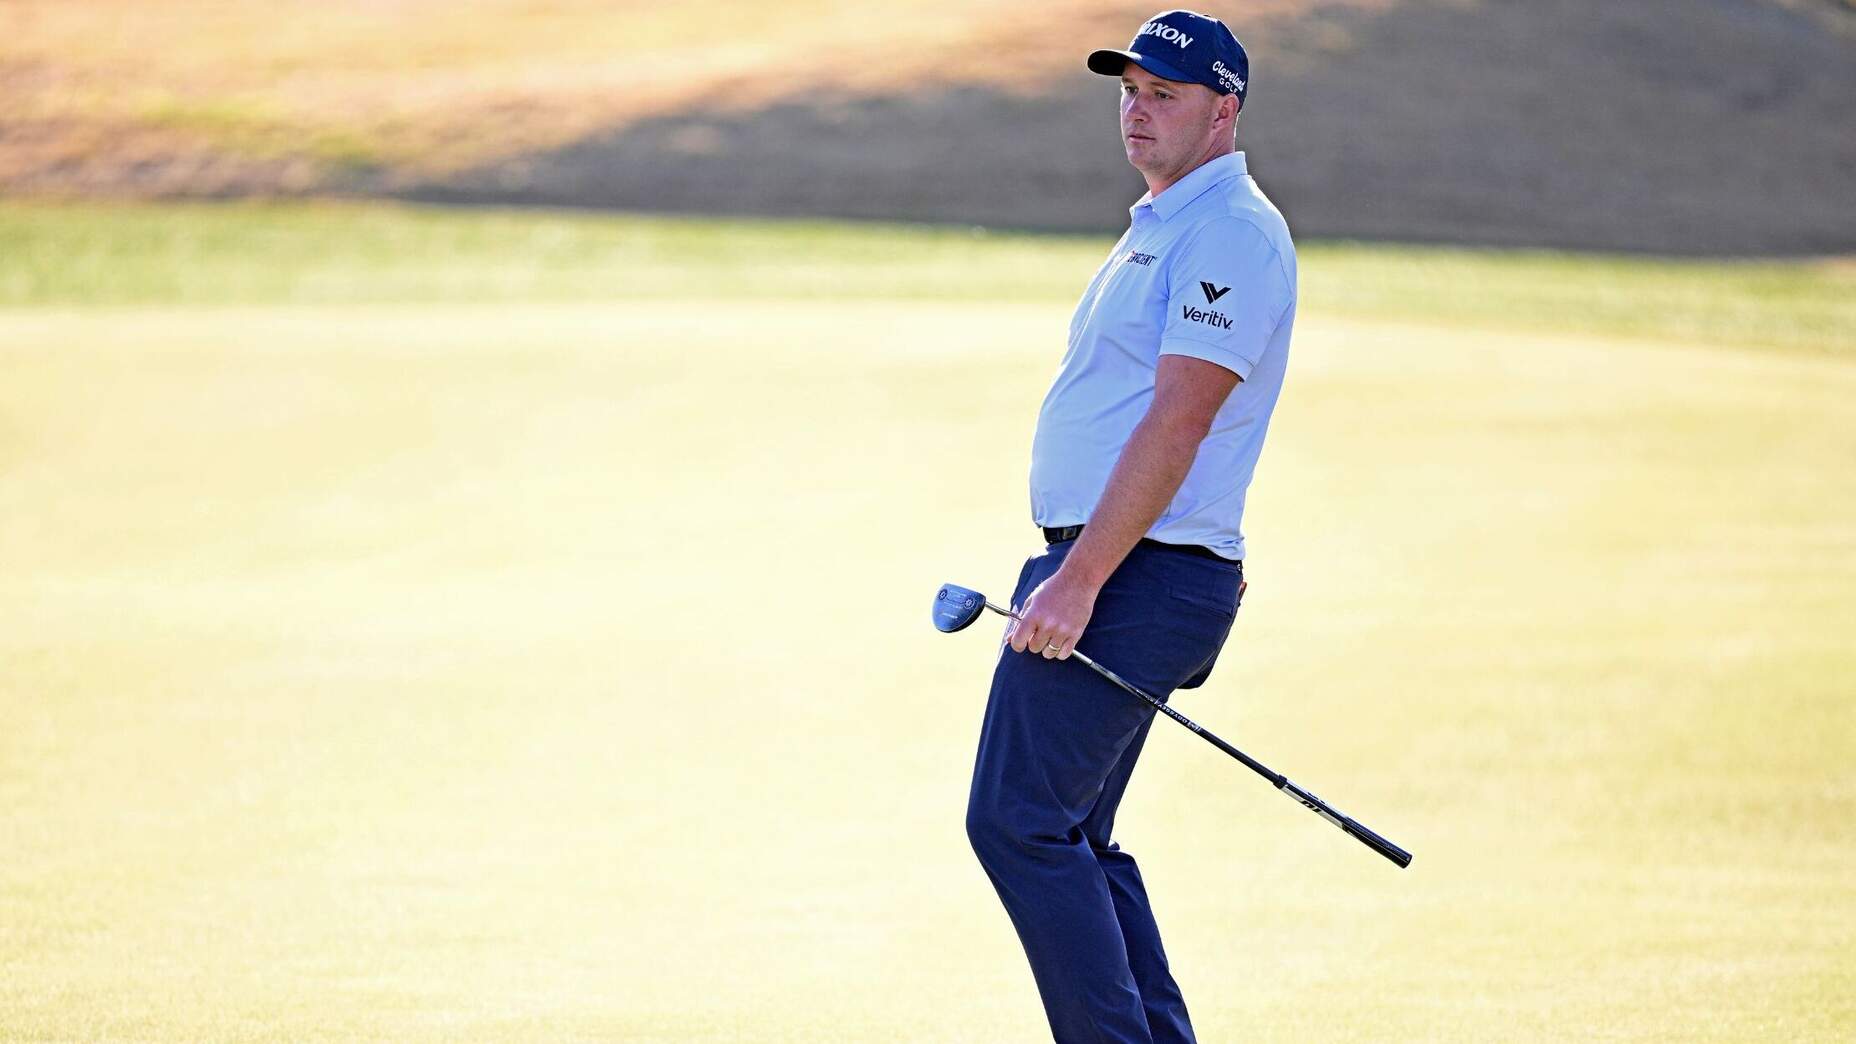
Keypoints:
(1056, 751)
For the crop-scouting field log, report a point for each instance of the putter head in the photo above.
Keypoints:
(955, 607)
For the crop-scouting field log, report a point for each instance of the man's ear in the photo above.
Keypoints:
(1226, 111)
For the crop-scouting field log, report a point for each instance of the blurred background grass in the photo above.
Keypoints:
(333, 253)
(1393, 120)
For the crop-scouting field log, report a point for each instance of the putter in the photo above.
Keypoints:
(957, 607)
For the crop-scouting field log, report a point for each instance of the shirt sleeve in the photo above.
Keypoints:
(1226, 293)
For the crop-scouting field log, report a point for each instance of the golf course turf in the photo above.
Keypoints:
(482, 626)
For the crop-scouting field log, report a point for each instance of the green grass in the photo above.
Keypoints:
(251, 127)
(262, 254)
(89, 256)
(1807, 305)
(413, 647)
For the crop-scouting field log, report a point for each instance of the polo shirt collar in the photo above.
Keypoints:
(1192, 186)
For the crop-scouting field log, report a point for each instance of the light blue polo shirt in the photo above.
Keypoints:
(1206, 269)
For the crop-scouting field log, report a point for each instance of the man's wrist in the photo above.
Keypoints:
(1082, 568)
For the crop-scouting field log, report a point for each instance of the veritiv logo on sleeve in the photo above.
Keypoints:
(1193, 313)
(1200, 315)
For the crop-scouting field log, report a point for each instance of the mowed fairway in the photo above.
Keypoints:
(527, 669)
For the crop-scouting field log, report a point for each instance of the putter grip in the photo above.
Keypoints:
(1377, 843)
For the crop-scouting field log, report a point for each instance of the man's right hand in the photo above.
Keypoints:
(1053, 617)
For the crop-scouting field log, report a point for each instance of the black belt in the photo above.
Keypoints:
(1060, 534)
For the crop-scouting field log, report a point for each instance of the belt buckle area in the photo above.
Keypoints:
(1060, 534)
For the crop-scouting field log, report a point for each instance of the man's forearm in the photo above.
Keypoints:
(1188, 393)
(1147, 475)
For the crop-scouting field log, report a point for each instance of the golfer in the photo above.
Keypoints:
(1144, 448)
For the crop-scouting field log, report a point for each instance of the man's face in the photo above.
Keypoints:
(1165, 123)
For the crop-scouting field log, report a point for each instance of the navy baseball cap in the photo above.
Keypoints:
(1184, 46)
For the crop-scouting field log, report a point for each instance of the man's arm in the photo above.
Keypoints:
(1187, 395)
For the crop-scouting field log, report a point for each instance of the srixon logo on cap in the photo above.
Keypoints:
(1165, 32)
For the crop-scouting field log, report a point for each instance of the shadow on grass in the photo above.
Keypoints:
(1567, 124)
